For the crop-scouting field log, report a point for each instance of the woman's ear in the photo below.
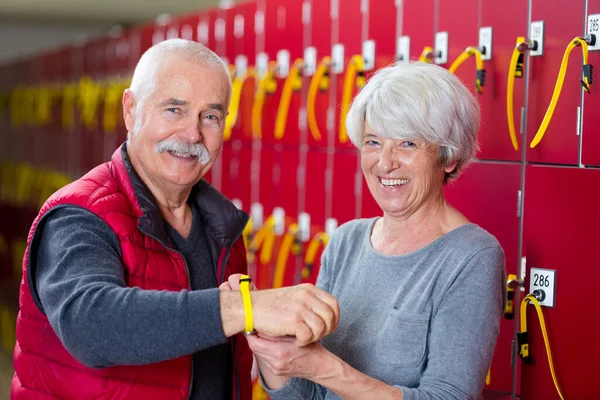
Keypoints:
(450, 167)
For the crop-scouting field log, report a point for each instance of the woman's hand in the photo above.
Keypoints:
(283, 358)
(233, 283)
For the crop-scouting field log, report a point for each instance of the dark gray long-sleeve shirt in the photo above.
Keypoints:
(425, 322)
(79, 279)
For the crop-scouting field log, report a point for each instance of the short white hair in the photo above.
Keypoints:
(419, 101)
(143, 82)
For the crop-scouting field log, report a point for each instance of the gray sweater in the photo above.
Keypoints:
(425, 322)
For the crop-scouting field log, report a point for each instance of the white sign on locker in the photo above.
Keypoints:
(593, 28)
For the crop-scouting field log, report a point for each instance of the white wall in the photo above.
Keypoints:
(21, 39)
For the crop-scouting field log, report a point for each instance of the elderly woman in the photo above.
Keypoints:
(421, 289)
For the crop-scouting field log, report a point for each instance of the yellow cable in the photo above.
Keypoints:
(319, 81)
(247, 232)
(287, 246)
(266, 84)
(585, 82)
(29, 106)
(523, 337)
(69, 94)
(245, 282)
(16, 106)
(43, 104)
(112, 97)
(426, 55)
(469, 52)
(263, 239)
(319, 239)
(292, 84)
(234, 108)
(515, 70)
(355, 77)
(89, 94)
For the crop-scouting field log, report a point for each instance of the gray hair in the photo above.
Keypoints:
(143, 82)
(419, 101)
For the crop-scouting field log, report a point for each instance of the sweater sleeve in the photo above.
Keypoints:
(464, 331)
(79, 279)
(299, 388)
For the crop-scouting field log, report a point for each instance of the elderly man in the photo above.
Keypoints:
(120, 297)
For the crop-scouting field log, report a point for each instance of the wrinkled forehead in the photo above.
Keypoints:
(196, 82)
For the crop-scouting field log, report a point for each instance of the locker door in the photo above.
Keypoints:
(560, 143)
(508, 20)
(560, 233)
(591, 102)
(237, 151)
(487, 194)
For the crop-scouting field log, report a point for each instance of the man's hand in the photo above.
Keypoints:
(303, 312)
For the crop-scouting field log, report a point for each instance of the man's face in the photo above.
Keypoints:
(178, 132)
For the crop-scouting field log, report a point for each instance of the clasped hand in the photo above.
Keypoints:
(301, 312)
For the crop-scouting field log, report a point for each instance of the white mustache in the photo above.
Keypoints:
(175, 145)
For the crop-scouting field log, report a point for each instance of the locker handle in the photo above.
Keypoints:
(515, 70)
(585, 83)
(465, 55)
(266, 84)
(236, 95)
(293, 83)
(319, 81)
(523, 337)
(320, 239)
(355, 77)
(426, 55)
(289, 244)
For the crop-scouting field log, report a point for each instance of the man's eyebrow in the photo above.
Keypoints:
(217, 106)
(173, 102)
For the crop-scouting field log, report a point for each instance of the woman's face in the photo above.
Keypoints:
(402, 176)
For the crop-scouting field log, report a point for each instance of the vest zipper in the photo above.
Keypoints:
(222, 266)
(187, 270)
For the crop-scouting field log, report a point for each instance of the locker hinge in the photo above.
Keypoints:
(519, 202)
(578, 131)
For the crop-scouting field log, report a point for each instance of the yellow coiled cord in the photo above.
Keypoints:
(266, 84)
(585, 82)
(318, 82)
(355, 77)
(470, 52)
(293, 83)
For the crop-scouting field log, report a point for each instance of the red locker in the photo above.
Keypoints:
(484, 187)
(91, 91)
(279, 158)
(591, 102)
(463, 31)
(420, 30)
(508, 20)
(560, 143)
(560, 233)
(237, 150)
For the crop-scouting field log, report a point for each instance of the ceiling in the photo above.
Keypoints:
(105, 12)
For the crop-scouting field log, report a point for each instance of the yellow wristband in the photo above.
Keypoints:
(247, 300)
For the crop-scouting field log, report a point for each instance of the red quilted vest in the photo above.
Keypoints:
(44, 369)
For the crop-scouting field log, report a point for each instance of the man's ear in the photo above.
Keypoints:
(129, 113)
